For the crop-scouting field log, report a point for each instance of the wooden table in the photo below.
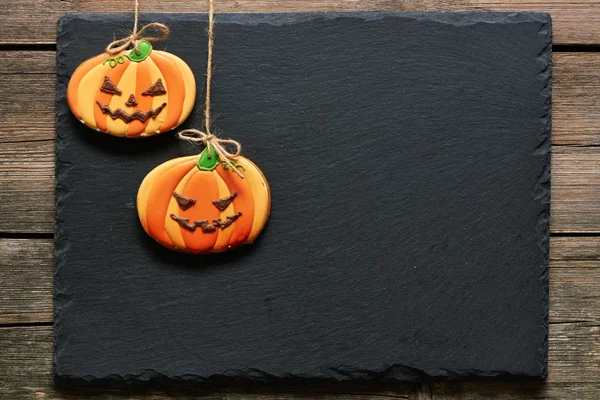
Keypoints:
(27, 96)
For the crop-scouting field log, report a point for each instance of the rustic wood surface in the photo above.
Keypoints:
(34, 21)
(27, 88)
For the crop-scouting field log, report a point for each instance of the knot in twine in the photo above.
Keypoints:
(133, 40)
(217, 144)
(207, 138)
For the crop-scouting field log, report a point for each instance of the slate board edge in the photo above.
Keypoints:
(458, 18)
(393, 373)
(61, 244)
(542, 191)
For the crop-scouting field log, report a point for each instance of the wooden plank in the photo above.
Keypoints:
(27, 179)
(26, 365)
(26, 279)
(576, 96)
(575, 189)
(583, 250)
(26, 21)
(575, 279)
(574, 354)
(26, 373)
(507, 391)
(27, 62)
(26, 165)
(28, 86)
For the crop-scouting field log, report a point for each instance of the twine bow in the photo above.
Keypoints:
(214, 143)
(207, 138)
(133, 40)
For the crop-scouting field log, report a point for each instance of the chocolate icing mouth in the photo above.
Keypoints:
(128, 117)
(204, 224)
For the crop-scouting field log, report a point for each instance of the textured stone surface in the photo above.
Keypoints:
(407, 156)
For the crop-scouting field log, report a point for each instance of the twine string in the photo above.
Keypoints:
(207, 138)
(209, 63)
(133, 40)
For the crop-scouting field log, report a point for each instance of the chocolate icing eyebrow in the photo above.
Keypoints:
(109, 87)
(223, 203)
(156, 89)
(184, 201)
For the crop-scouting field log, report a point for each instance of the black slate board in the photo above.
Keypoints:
(408, 156)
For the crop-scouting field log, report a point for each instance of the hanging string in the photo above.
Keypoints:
(211, 39)
(207, 138)
(133, 40)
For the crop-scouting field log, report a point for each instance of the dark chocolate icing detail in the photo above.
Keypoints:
(228, 221)
(223, 203)
(184, 222)
(127, 117)
(131, 101)
(156, 89)
(205, 226)
(109, 87)
(184, 201)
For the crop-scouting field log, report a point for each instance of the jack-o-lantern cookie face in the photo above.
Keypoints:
(200, 205)
(132, 95)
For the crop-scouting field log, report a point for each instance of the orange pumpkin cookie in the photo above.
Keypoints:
(132, 95)
(200, 205)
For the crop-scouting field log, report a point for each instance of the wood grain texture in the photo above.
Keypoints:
(576, 95)
(27, 82)
(506, 391)
(575, 194)
(575, 280)
(27, 147)
(26, 373)
(26, 279)
(26, 201)
(574, 352)
(26, 368)
(27, 178)
(27, 21)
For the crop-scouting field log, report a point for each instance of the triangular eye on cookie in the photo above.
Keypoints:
(156, 89)
(132, 90)
(219, 191)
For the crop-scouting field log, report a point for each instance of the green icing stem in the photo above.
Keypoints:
(206, 163)
(144, 47)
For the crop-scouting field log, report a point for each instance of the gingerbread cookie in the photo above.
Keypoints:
(200, 205)
(131, 94)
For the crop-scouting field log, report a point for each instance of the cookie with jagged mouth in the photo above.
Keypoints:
(128, 117)
(156, 89)
(134, 93)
